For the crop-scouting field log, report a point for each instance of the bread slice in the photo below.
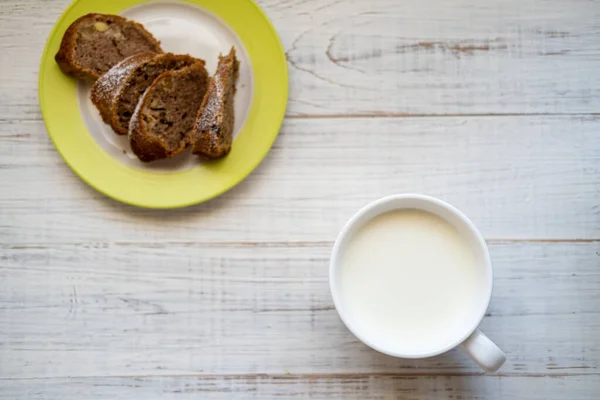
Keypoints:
(213, 130)
(162, 123)
(106, 87)
(117, 92)
(95, 43)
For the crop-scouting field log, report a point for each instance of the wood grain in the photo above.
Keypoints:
(359, 387)
(118, 309)
(523, 178)
(387, 57)
(459, 57)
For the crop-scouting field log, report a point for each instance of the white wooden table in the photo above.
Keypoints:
(491, 105)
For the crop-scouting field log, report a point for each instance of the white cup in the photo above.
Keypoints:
(478, 346)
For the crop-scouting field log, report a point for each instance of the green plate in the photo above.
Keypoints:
(202, 28)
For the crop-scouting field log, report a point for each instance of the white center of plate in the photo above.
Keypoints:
(183, 29)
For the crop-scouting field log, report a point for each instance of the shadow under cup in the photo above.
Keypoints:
(448, 334)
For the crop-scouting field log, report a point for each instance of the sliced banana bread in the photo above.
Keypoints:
(162, 122)
(95, 43)
(213, 130)
(106, 87)
(117, 92)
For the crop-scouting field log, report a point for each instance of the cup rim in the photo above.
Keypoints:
(377, 204)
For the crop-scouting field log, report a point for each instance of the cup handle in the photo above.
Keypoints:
(483, 351)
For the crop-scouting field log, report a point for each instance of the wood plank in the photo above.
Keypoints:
(384, 57)
(122, 309)
(517, 178)
(363, 387)
(459, 57)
